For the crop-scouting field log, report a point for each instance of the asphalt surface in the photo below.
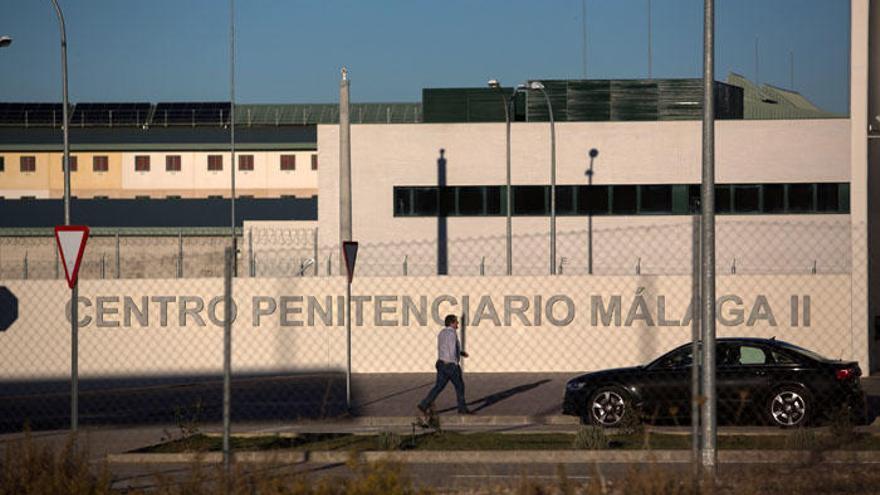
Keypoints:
(122, 416)
(270, 400)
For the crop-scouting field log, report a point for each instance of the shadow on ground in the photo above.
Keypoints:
(172, 400)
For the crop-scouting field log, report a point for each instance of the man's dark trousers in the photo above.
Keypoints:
(446, 372)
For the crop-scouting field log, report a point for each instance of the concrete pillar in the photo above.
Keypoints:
(344, 164)
(860, 321)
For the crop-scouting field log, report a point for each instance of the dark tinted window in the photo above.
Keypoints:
(774, 198)
(495, 200)
(747, 198)
(623, 200)
(565, 200)
(656, 199)
(828, 197)
(677, 359)
(424, 201)
(470, 200)
(592, 199)
(529, 200)
(800, 198)
(402, 201)
(722, 199)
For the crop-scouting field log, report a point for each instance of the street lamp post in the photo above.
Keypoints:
(538, 86)
(593, 154)
(494, 84)
(74, 373)
(508, 102)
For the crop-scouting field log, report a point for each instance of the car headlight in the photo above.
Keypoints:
(575, 385)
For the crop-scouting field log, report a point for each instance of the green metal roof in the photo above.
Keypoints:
(766, 102)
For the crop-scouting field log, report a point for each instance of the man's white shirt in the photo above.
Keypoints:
(447, 345)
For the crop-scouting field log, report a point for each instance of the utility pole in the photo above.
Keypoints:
(584, 37)
(344, 164)
(650, 54)
(232, 132)
(74, 293)
(707, 202)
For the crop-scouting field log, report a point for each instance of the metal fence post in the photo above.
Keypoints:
(57, 267)
(24, 266)
(814, 269)
(103, 266)
(227, 353)
(696, 391)
(733, 267)
(180, 254)
(639, 266)
(483, 265)
(330, 265)
(315, 250)
(251, 270)
(405, 265)
(118, 262)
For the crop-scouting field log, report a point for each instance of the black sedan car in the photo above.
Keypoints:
(774, 381)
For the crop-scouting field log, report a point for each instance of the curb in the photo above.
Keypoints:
(448, 420)
(506, 457)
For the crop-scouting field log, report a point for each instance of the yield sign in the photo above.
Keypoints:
(71, 244)
(350, 252)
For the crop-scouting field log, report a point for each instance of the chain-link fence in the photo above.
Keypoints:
(743, 246)
(789, 300)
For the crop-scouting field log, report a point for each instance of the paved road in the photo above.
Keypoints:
(280, 400)
(277, 399)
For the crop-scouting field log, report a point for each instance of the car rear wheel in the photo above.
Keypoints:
(609, 406)
(789, 407)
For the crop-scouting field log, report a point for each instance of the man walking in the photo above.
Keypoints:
(448, 369)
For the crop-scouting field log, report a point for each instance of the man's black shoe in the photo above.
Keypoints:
(422, 408)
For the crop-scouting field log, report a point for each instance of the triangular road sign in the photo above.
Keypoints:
(350, 252)
(71, 241)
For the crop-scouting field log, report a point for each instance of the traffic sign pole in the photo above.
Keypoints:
(74, 358)
(71, 240)
(349, 255)
(348, 344)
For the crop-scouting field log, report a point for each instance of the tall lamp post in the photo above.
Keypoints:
(507, 102)
(538, 86)
(494, 84)
(232, 131)
(74, 373)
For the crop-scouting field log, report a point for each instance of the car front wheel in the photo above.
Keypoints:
(789, 407)
(609, 406)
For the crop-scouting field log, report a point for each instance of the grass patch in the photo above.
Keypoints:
(506, 441)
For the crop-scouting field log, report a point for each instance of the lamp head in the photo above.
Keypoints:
(5, 41)
(494, 84)
(536, 85)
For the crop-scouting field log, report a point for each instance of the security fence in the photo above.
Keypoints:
(791, 303)
(150, 350)
(815, 245)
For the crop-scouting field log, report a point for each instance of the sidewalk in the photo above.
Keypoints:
(502, 402)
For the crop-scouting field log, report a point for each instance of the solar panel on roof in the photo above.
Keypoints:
(27, 114)
(110, 114)
(194, 113)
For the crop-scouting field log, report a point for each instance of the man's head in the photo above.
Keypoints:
(451, 321)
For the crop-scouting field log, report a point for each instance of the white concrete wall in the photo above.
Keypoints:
(555, 332)
(629, 153)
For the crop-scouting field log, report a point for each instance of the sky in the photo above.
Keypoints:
(291, 51)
